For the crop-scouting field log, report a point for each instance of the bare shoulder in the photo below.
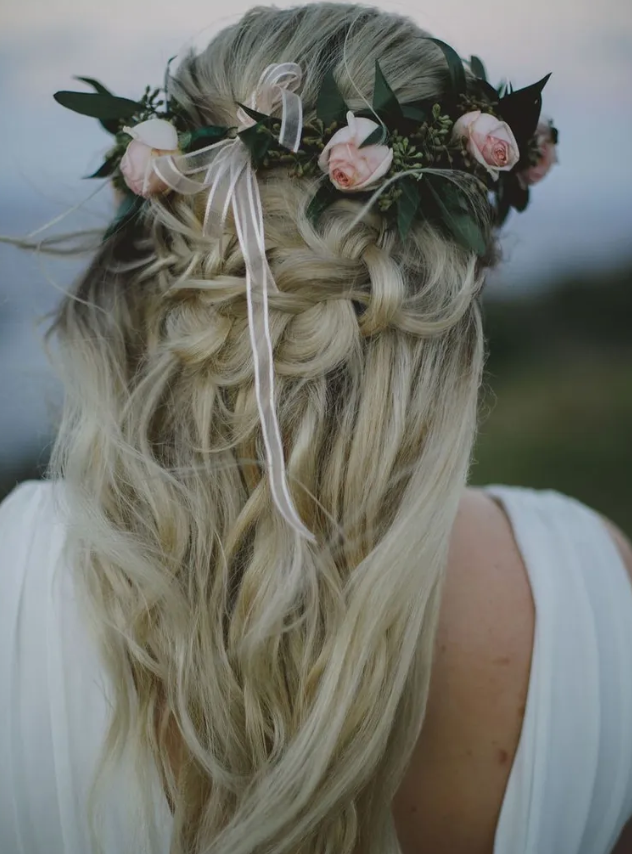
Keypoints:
(450, 800)
(452, 795)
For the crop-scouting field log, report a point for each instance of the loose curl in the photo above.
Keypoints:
(293, 677)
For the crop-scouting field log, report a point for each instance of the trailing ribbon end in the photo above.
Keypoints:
(232, 183)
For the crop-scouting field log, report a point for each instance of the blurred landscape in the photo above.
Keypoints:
(556, 409)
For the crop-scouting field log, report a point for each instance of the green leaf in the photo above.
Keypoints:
(106, 169)
(201, 137)
(331, 106)
(407, 206)
(385, 102)
(97, 105)
(513, 193)
(258, 142)
(478, 69)
(165, 84)
(110, 125)
(98, 87)
(376, 137)
(455, 67)
(321, 200)
(456, 215)
(260, 118)
(521, 110)
(416, 112)
(129, 208)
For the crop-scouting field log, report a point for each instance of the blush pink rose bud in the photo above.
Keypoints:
(150, 139)
(351, 168)
(489, 141)
(547, 156)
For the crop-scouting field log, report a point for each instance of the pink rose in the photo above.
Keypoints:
(547, 155)
(150, 140)
(489, 141)
(350, 167)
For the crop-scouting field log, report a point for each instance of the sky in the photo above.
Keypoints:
(580, 216)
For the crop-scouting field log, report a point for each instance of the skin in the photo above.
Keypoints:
(450, 800)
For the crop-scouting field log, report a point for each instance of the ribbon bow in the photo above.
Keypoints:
(232, 183)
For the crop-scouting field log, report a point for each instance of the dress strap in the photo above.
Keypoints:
(570, 788)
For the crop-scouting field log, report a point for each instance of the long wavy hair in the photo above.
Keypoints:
(293, 676)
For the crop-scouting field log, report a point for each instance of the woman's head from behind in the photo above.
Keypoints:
(296, 672)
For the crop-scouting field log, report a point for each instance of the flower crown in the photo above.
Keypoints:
(403, 158)
(400, 156)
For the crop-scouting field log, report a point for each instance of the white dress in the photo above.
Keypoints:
(570, 788)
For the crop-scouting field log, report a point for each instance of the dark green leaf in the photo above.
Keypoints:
(202, 137)
(97, 105)
(385, 102)
(165, 85)
(487, 90)
(455, 67)
(456, 214)
(503, 204)
(321, 200)
(129, 208)
(110, 125)
(254, 115)
(98, 87)
(407, 206)
(331, 106)
(377, 137)
(514, 194)
(106, 169)
(521, 110)
(478, 69)
(257, 141)
(416, 112)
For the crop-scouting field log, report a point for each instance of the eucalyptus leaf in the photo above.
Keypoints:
(321, 200)
(330, 105)
(254, 114)
(258, 143)
(376, 137)
(97, 105)
(385, 102)
(503, 203)
(516, 195)
(455, 67)
(165, 85)
(129, 208)
(98, 87)
(110, 125)
(456, 215)
(205, 136)
(478, 68)
(106, 169)
(416, 112)
(521, 110)
(407, 206)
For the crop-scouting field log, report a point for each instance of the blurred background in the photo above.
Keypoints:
(557, 403)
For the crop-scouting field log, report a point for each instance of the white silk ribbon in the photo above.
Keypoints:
(225, 170)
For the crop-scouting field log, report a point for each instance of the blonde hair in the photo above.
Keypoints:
(296, 674)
